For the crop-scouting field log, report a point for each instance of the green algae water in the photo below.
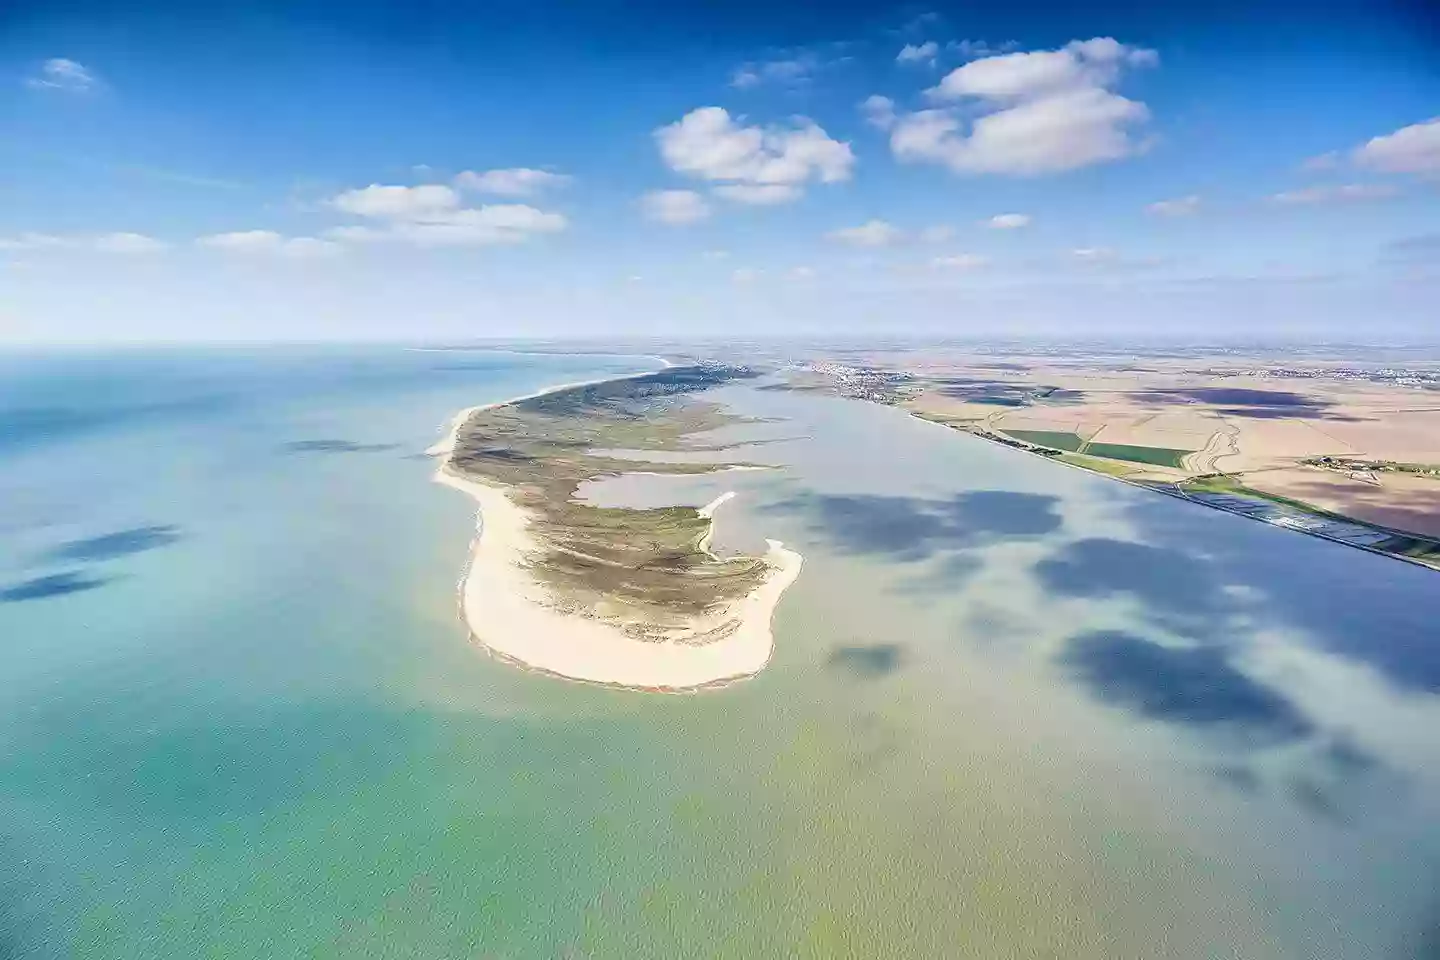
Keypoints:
(1014, 710)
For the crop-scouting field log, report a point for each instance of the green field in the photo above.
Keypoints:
(1054, 439)
(1159, 456)
(1108, 467)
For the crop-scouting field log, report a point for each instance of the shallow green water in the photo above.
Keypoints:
(264, 733)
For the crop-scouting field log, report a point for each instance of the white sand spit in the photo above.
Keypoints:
(514, 616)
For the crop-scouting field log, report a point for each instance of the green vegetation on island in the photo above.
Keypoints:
(644, 567)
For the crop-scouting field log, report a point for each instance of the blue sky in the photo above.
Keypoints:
(445, 171)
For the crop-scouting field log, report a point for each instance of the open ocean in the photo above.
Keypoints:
(1015, 710)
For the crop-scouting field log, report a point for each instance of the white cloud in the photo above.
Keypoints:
(1412, 149)
(128, 243)
(1094, 254)
(510, 182)
(875, 233)
(1019, 76)
(270, 243)
(674, 206)
(1009, 221)
(1338, 193)
(430, 215)
(800, 273)
(960, 261)
(1039, 112)
(1179, 207)
(938, 233)
(59, 73)
(759, 194)
(424, 202)
(746, 275)
(707, 144)
(918, 53)
(878, 111)
(716, 254)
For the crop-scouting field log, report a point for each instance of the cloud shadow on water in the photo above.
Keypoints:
(51, 585)
(869, 660)
(918, 528)
(1367, 609)
(1193, 686)
(112, 546)
(1174, 587)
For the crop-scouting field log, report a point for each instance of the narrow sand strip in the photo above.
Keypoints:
(508, 613)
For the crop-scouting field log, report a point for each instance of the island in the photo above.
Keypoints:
(627, 597)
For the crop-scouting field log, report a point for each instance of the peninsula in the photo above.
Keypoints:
(620, 596)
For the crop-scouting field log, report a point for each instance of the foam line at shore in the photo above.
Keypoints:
(511, 614)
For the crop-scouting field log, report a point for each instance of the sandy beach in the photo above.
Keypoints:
(512, 616)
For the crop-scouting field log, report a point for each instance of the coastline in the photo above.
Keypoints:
(508, 614)
(1176, 492)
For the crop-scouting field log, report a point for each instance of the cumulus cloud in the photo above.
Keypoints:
(401, 203)
(1032, 113)
(1009, 221)
(1179, 207)
(918, 53)
(709, 145)
(431, 215)
(959, 261)
(674, 206)
(510, 182)
(878, 111)
(875, 233)
(59, 73)
(269, 243)
(1094, 254)
(1412, 149)
(1336, 193)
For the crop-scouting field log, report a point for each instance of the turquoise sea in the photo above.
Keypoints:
(1015, 710)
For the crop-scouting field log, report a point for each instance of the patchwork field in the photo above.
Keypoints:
(1254, 419)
